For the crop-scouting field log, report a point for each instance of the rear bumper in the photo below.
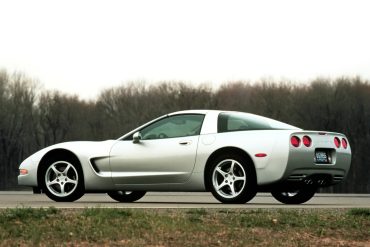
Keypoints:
(302, 167)
(313, 180)
(318, 177)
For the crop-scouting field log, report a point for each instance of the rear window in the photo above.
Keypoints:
(244, 121)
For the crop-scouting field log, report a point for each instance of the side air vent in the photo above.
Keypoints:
(94, 166)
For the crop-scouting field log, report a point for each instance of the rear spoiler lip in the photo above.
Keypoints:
(319, 133)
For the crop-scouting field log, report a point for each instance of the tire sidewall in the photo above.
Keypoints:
(303, 195)
(134, 196)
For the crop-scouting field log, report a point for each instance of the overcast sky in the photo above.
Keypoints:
(81, 47)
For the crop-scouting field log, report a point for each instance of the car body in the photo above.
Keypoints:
(232, 154)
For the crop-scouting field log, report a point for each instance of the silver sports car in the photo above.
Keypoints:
(234, 155)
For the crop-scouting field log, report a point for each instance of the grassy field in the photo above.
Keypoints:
(189, 227)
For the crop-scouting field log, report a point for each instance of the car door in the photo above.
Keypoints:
(165, 153)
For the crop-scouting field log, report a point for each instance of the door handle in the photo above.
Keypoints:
(185, 142)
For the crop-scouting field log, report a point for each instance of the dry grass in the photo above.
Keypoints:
(176, 227)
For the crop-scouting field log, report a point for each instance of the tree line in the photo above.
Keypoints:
(31, 119)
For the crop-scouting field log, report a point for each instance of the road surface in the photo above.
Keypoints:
(9, 199)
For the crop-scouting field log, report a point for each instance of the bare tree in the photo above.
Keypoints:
(30, 121)
(16, 114)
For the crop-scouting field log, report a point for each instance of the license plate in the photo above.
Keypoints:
(322, 157)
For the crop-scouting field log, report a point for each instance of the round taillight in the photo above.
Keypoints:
(295, 141)
(344, 143)
(306, 141)
(337, 142)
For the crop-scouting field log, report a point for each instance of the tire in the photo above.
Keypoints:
(126, 196)
(62, 180)
(299, 196)
(232, 179)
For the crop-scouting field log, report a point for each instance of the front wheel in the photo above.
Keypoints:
(62, 181)
(126, 196)
(232, 179)
(298, 196)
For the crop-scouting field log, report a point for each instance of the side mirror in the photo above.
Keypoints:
(136, 137)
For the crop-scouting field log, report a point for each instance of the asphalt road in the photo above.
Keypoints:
(10, 199)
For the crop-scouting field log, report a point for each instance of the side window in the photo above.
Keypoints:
(236, 122)
(174, 126)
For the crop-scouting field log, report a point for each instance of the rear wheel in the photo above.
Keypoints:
(126, 196)
(232, 179)
(62, 180)
(298, 196)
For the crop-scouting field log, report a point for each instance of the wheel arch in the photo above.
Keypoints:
(222, 151)
(61, 153)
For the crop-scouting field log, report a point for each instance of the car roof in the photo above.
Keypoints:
(205, 111)
(193, 112)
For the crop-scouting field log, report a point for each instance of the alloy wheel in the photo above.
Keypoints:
(61, 178)
(229, 178)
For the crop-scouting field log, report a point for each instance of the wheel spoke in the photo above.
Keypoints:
(71, 181)
(55, 170)
(67, 169)
(232, 167)
(241, 178)
(52, 182)
(218, 169)
(221, 185)
(62, 188)
(289, 194)
(232, 189)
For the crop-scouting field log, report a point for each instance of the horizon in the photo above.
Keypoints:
(84, 47)
(285, 82)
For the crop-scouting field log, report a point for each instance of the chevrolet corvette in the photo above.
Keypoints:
(233, 155)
